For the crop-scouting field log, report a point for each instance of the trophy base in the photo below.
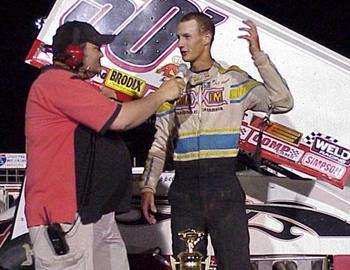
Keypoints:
(175, 265)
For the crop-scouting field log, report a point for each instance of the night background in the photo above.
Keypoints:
(324, 21)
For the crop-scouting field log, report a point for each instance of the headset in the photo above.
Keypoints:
(74, 54)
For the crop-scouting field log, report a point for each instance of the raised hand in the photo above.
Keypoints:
(251, 36)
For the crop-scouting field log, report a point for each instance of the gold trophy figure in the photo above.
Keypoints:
(190, 259)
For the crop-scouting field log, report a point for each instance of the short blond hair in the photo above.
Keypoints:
(205, 24)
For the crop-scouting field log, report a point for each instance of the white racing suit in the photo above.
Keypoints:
(202, 130)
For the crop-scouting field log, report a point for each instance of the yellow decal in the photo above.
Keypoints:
(125, 83)
(240, 91)
(280, 131)
(215, 97)
(223, 70)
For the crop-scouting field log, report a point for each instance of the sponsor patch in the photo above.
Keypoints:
(214, 97)
(323, 165)
(278, 147)
(187, 103)
(125, 83)
(331, 150)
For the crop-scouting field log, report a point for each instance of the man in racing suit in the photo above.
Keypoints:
(202, 129)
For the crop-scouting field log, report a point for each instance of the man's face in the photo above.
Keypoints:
(92, 57)
(191, 42)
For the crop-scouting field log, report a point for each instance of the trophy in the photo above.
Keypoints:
(190, 259)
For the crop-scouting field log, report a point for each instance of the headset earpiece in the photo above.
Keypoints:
(73, 55)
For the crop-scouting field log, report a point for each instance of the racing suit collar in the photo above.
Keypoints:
(199, 77)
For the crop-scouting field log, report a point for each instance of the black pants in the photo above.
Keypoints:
(207, 195)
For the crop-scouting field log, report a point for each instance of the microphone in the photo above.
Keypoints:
(181, 72)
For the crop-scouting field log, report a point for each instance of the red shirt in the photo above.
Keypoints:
(56, 104)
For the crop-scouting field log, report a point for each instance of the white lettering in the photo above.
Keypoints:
(277, 147)
(321, 144)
